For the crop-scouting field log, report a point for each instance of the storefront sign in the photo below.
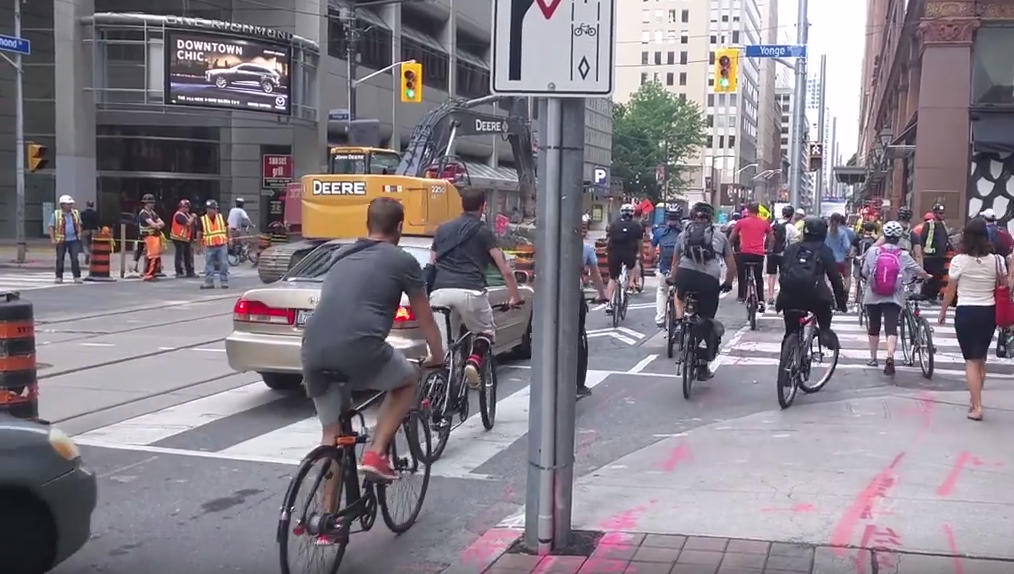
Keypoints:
(218, 71)
(276, 170)
(229, 28)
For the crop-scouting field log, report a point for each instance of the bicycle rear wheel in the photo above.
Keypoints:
(817, 354)
(788, 371)
(670, 328)
(233, 259)
(409, 461)
(616, 305)
(751, 311)
(435, 400)
(906, 338)
(689, 364)
(923, 347)
(487, 392)
(298, 521)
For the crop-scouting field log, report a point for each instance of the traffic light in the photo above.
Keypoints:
(816, 156)
(411, 83)
(36, 156)
(726, 69)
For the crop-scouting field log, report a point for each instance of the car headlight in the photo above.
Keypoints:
(63, 445)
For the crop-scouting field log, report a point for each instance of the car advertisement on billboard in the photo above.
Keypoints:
(216, 71)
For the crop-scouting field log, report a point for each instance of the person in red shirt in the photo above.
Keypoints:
(752, 231)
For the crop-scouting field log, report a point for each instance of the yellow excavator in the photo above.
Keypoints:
(426, 178)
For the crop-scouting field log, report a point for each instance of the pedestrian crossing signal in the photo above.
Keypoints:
(726, 70)
(36, 155)
(411, 83)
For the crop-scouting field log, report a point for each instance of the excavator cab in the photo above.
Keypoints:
(450, 169)
(362, 161)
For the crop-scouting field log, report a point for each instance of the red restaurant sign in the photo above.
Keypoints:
(276, 170)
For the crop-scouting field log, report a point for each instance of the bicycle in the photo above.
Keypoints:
(670, 322)
(639, 281)
(340, 469)
(915, 334)
(752, 304)
(241, 250)
(686, 363)
(444, 392)
(860, 308)
(797, 357)
(585, 30)
(619, 301)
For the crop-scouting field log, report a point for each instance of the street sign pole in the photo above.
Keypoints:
(798, 108)
(19, 142)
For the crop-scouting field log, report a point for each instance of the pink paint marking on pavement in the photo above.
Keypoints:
(862, 506)
(952, 545)
(795, 509)
(488, 548)
(627, 520)
(676, 456)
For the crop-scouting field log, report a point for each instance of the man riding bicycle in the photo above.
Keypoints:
(784, 233)
(751, 233)
(697, 269)
(864, 241)
(348, 330)
(665, 239)
(462, 250)
(803, 288)
(625, 236)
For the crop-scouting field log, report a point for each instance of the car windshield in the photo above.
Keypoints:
(314, 267)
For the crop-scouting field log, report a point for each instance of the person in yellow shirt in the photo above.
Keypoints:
(213, 240)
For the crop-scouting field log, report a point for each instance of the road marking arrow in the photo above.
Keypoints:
(548, 7)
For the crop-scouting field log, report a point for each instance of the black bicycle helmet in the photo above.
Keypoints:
(674, 212)
(702, 210)
(814, 228)
(904, 214)
(788, 211)
(869, 227)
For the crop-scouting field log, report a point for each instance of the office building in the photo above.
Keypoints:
(769, 122)
(786, 101)
(676, 47)
(192, 99)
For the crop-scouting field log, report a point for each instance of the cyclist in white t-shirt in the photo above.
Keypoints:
(238, 220)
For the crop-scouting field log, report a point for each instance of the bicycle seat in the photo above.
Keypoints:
(341, 381)
(440, 309)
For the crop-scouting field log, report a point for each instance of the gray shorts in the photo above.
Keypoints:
(388, 376)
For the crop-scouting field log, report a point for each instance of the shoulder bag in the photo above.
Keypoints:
(1002, 296)
(430, 270)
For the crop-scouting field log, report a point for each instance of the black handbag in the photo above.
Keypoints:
(430, 270)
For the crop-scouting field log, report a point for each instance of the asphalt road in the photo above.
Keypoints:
(200, 457)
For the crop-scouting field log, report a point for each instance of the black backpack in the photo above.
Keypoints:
(698, 242)
(803, 272)
(779, 232)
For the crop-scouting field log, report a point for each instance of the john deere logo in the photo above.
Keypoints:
(339, 188)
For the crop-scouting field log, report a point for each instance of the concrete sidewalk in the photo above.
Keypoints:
(905, 474)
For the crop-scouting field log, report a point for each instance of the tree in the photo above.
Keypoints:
(655, 128)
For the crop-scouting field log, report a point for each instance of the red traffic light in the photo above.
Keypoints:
(724, 61)
(409, 76)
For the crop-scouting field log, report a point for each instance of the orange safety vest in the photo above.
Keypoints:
(179, 232)
(60, 227)
(213, 232)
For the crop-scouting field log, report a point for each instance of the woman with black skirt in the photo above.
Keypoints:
(973, 277)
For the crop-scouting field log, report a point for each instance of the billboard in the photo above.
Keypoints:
(219, 71)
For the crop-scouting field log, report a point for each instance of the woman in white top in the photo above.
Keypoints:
(973, 278)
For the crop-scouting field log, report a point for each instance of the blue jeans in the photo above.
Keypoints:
(218, 254)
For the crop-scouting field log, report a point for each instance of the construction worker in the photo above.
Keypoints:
(934, 239)
(181, 233)
(151, 225)
(213, 239)
(65, 232)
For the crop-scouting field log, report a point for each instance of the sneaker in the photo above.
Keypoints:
(472, 366)
(609, 310)
(78, 280)
(224, 286)
(377, 466)
(889, 367)
(704, 373)
(58, 280)
(207, 286)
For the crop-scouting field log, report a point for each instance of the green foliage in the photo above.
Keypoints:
(655, 128)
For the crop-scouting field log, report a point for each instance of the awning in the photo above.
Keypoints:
(993, 133)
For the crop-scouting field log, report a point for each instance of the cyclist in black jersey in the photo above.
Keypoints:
(625, 236)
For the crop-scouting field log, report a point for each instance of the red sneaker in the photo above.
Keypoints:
(473, 366)
(377, 466)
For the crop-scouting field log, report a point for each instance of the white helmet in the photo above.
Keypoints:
(627, 207)
(893, 229)
(66, 200)
(585, 218)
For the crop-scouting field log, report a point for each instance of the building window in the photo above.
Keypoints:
(683, 97)
(669, 78)
(711, 58)
(375, 46)
(672, 16)
(473, 81)
(710, 121)
(658, 58)
(684, 37)
(671, 36)
(735, 36)
(713, 39)
(645, 16)
(683, 58)
(721, 142)
(992, 62)
(685, 16)
(645, 35)
(644, 58)
(644, 75)
(711, 100)
(683, 78)
(670, 58)
(435, 64)
(732, 141)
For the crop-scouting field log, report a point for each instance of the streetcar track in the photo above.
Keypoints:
(138, 357)
(120, 312)
(88, 335)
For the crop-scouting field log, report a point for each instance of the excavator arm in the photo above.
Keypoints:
(432, 141)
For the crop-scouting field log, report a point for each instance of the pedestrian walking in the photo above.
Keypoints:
(151, 226)
(181, 234)
(974, 276)
(65, 232)
(213, 240)
(89, 225)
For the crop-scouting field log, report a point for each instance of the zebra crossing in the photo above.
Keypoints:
(252, 423)
(32, 280)
(762, 347)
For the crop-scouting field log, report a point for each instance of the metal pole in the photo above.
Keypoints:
(351, 53)
(818, 191)
(798, 109)
(542, 411)
(571, 192)
(19, 142)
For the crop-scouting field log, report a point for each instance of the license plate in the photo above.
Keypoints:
(302, 315)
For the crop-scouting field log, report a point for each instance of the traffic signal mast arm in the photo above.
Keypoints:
(368, 77)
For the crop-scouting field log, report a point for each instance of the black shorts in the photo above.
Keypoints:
(617, 258)
(704, 287)
(974, 327)
(774, 262)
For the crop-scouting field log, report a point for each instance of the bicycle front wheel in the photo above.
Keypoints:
(299, 528)
(788, 371)
(818, 354)
(670, 330)
(233, 259)
(487, 392)
(923, 347)
(906, 338)
(408, 458)
(434, 402)
(689, 366)
(617, 303)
